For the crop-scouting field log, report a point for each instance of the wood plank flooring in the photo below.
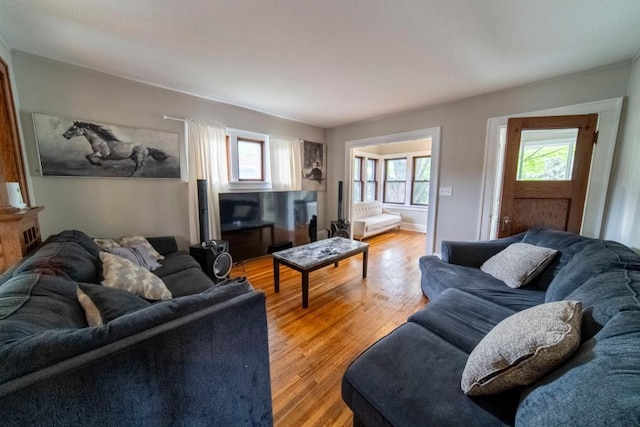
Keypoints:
(311, 348)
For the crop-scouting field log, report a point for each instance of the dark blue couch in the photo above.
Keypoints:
(199, 359)
(412, 376)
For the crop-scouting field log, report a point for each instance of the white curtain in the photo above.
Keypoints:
(207, 154)
(286, 163)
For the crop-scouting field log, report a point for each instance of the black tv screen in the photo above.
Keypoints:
(251, 222)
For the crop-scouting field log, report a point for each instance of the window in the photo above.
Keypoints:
(420, 181)
(357, 178)
(395, 180)
(371, 191)
(250, 160)
(546, 154)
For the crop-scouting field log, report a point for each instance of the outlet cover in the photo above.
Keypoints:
(446, 191)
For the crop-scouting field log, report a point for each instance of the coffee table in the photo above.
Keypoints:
(315, 255)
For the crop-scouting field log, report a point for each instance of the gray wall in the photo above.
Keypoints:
(623, 210)
(463, 136)
(114, 206)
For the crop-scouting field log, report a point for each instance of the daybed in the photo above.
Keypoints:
(412, 377)
(198, 359)
(370, 218)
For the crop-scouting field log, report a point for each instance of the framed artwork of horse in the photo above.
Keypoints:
(70, 147)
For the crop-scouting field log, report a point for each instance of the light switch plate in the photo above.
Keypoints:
(446, 191)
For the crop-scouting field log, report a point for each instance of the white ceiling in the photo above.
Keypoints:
(328, 62)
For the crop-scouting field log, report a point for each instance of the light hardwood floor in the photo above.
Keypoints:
(311, 348)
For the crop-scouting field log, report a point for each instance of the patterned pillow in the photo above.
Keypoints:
(106, 244)
(138, 255)
(136, 239)
(523, 347)
(102, 304)
(519, 263)
(122, 274)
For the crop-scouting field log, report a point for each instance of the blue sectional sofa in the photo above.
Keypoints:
(198, 359)
(412, 376)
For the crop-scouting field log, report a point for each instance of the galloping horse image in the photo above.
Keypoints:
(106, 146)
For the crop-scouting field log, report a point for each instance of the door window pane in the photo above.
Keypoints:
(546, 154)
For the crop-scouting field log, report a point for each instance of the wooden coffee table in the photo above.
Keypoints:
(315, 255)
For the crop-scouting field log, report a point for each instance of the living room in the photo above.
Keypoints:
(73, 87)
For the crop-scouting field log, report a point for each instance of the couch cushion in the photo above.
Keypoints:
(460, 318)
(523, 347)
(187, 282)
(438, 276)
(102, 304)
(176, 262)
(518, 264)
(76, 236)
(380, 221)
(48, 302)
(366, 209)
(596, 257)
(122, 274)
(68, 259)
(411, 377)
(567, 244)
(599, 385)
(604, 295)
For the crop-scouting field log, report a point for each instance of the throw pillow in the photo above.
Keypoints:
(102, 304)
(106, 244)
(519, 263)
(122, 274)
(523, 347)
(136, 239)
(138, 255)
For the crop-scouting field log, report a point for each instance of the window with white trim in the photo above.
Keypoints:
(248, 160)
(395, 181)
(420, 181)
(357, 178)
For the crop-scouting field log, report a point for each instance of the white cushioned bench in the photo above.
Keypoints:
(371, 218)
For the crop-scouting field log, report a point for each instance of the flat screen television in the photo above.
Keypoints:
(251, 222)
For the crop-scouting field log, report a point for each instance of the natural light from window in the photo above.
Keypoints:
(546, 154)
(250, 160)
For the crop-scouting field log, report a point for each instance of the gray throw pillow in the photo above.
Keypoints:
(519, 263)
(136, 239)
(137, 254)
(120, 273)
(523, 348)
(102, 304)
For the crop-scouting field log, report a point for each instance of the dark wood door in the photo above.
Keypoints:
(546, 172)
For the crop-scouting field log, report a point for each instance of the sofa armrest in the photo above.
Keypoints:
(165, 245)
(209, 366)
(475, 253)
(357, 227)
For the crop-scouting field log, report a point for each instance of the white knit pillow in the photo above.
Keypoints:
(519, 263)
(136, 239)
(523, 348)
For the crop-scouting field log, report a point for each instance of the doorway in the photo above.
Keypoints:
(609, 112)
(432, 134)
(546, 172)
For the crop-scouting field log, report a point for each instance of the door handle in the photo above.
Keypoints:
(506, 221)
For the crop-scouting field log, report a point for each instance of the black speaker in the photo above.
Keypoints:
(203, 210)
(340, 211)
(313, 228)
(214, 258)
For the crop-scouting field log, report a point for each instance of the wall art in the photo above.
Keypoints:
(314, 168)
(73, 147)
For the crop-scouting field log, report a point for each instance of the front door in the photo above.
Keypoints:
(546, 172)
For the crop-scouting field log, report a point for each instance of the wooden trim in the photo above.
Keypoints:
(12, 161)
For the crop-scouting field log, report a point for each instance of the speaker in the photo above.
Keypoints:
(214, 258)
(313, 228)
(203, 210)
(340, 211)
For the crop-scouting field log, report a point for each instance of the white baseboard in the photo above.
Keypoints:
(422, 228)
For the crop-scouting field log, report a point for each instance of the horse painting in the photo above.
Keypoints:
(106, 146)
